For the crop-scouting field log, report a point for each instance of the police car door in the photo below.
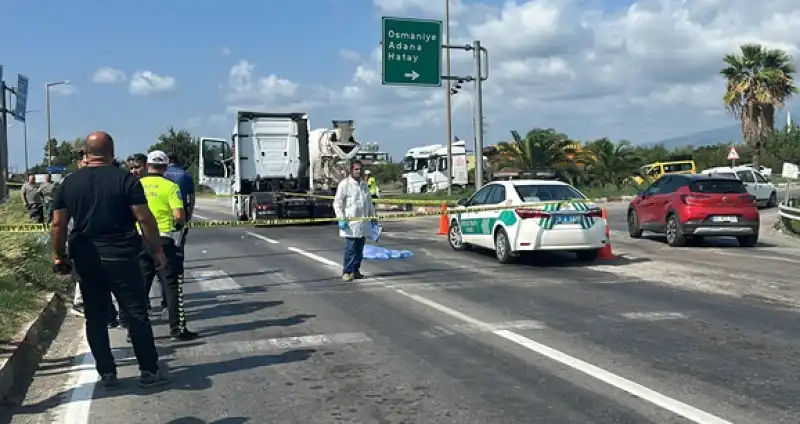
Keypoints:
(470, 220)
(496, 198)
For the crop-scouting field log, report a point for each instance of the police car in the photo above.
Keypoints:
(540, 215)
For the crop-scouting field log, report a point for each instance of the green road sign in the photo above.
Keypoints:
(412, 52)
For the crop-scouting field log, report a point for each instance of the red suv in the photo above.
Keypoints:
(690, 207)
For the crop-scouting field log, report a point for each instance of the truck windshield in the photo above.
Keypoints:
(411, 164)
(547, 192)
(432, 163)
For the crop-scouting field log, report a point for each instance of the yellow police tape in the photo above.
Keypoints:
(41, 228)
(380, 200)
(386, 200)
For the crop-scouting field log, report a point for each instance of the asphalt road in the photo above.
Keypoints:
(660, 335)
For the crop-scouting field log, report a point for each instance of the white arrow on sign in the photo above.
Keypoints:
(733, 154)
(413, 75)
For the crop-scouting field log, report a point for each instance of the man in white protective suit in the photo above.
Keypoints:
(353, 200)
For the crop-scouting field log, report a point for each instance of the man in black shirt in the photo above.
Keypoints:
(105, 203)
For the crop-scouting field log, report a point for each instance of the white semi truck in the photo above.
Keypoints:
(415, 168)
(275, 166)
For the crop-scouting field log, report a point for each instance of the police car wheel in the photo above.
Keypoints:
(502, 248)
(454, 237)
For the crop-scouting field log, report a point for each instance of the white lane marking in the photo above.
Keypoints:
(200, 217)
(315, 257)
(81, 385)
(675, 406)
(211, 280)
(260, 237)
(449, 330)
(249, 347)
(653, 316)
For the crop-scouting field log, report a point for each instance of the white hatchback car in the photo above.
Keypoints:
(568, 221)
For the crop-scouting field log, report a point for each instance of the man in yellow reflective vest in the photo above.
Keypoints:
(164, 201)
(372, 184)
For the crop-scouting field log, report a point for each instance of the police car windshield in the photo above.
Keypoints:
(547, 192)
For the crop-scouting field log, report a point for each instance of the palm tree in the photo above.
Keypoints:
(758, 84)
(613, 162)
(539, 148)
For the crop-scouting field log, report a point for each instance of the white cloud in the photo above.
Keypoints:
(646, 72)
(226, 51)
(247, 91)
(144, 83)
(350, 55)
(63, 90)
(108, 75)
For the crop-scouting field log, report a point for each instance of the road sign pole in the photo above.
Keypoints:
(448, 102)
(478, 114)
(3, 138)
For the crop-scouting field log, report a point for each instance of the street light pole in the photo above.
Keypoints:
(47, 112)
(47, 118)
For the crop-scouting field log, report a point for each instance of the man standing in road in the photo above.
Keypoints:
(179, 176)
(32, 199)
(105, 203)
(164, 201)
(46, 189)
(372, 183)
(353, 201)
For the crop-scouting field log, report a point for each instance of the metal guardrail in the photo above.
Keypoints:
(789, 212)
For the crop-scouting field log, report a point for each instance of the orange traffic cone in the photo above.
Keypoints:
(444, 224)
(605, 251)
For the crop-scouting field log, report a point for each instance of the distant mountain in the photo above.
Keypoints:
(702, 138)
(718, 135)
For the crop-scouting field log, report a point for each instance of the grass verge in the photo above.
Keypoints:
(25, 271)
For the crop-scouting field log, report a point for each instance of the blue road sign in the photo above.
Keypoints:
(56, 169)
(22, 97)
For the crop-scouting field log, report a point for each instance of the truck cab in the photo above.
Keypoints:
(265, 167)
(437, 167)
(415, 168)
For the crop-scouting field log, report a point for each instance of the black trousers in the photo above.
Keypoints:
(99, 277)
(171, 280)
(36, 212)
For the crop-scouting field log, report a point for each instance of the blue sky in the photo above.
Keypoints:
(182, 39)
(589, 68)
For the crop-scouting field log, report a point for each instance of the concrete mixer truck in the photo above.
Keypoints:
(276, 167)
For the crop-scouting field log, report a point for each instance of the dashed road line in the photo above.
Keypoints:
(260, 237)
(653, 316)
(439, 331)
(213, 280)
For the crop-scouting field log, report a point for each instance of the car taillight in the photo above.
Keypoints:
(595, 213)
(265, 207)
(694, 199)
(532, 213)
